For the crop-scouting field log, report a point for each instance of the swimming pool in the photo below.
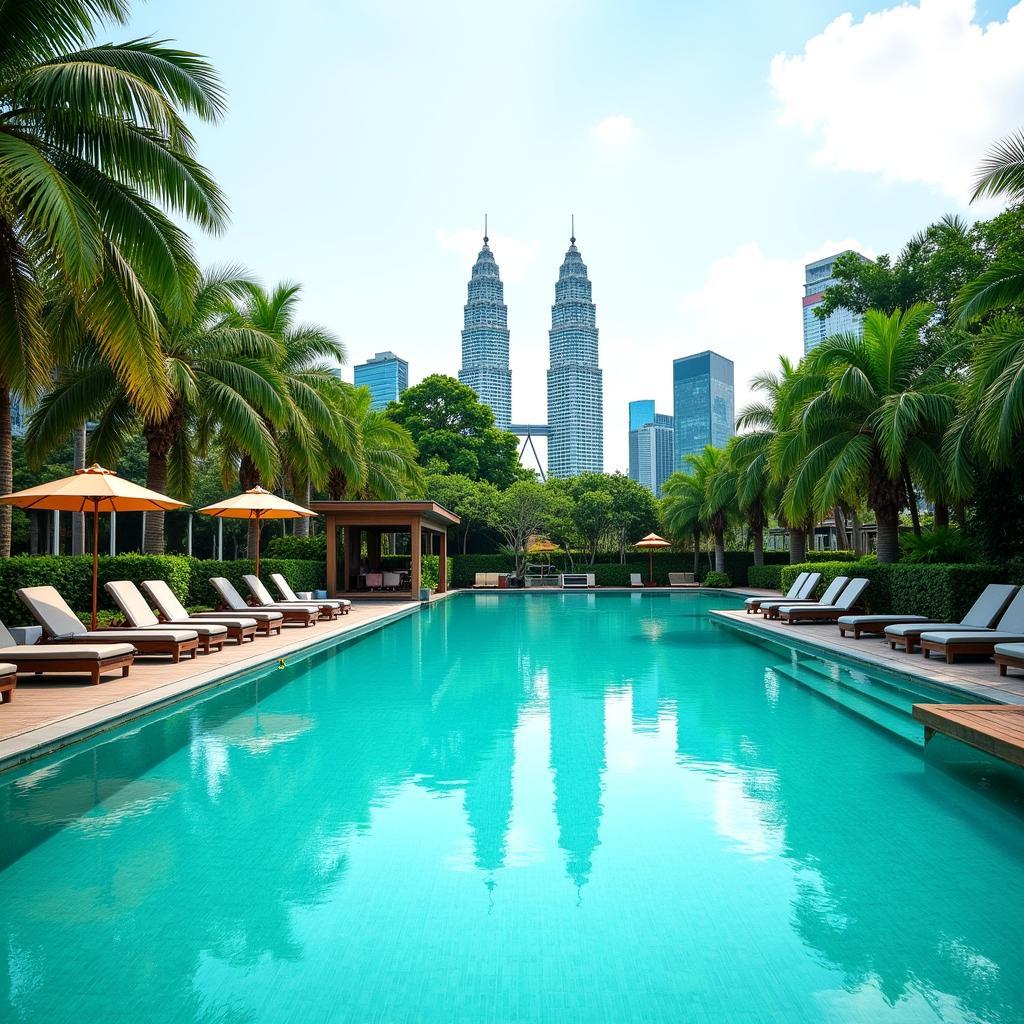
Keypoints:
(546, 807)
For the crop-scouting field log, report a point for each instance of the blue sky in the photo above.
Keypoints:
(707, 151)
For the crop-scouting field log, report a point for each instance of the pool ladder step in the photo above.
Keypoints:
(856, 697)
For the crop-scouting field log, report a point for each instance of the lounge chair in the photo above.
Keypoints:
(93, 658)
(288, 595)
(232, 600)
(753, 604)
(1008, 656)
(983, 614)
(635, 580)
(62, 626)
(8, 681)
(139, 615)
(172, 612)
(682, 579)
(1008, 630)
(262, 599)
(770, 609)
(239, 626)
(875, 625)
(826, 612)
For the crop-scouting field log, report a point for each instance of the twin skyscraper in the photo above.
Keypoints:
(575, 426)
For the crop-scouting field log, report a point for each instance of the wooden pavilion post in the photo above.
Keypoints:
(415, 548)
(332, 556)
(442, 563)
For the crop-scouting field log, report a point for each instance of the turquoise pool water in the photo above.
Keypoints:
(522, 808)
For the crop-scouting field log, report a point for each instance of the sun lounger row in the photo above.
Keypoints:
(992, 627)
(68, 646)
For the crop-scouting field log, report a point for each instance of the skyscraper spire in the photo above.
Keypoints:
(575, 383)
(485, 337)
(572, 230)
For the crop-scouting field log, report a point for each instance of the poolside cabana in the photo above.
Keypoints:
(375, 548)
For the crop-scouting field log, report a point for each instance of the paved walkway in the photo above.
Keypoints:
(978, 678)
(45, 715)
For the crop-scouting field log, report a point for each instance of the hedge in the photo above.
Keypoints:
(300, 573)
(310, 549)
(765, 576)
(187, 577)
(72, 576)
(942, 592)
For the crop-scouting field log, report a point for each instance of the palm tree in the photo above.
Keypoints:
(93, 150)
(223, 383)
(382, 465)
(681, 504)
(306, 366)
(1002, 171)
(871, 421)
(711, 475)
(746, 480)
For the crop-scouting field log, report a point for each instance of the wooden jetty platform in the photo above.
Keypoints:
(997, 729)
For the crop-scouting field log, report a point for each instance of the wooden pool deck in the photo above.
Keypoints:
(996, 729)
(50, 712)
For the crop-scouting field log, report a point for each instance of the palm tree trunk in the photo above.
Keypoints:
(78, 518)
(908, 486)
(153, 541)
(696, 554)
(887, 519)
(249, 477)
(758, 532)
(842, 538)
(302, 525)
(6, 469)
(720, 551)
(941, 518)
(797, 545)
(855, 529)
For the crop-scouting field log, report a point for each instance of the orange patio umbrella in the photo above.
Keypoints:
(649, 544)
(259, 504)
(94, 490)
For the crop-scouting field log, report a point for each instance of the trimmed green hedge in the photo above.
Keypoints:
(72, 576)
(188, 578)
(766, 576)
(309, 549)
(301, 574)
(942, 592)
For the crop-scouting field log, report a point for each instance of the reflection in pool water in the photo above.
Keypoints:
(522, 807)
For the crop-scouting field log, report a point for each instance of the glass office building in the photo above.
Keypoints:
(575, 383)
(385, 375)
(703, 410)
(485, 338)
(651, 446)
(818, 277)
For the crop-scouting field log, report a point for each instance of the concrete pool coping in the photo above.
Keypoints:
(977, 679)
(47, 716)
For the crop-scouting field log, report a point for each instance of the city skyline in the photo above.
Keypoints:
(681, 237)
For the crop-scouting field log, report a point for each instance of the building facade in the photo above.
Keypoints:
(703, 403)
(485, 338)
(651, 446)
(818, 277)
(575, 384)
(386, 375)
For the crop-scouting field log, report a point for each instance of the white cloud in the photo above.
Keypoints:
(916, 93)
(616, 132)
(513, 255)
(749, 309)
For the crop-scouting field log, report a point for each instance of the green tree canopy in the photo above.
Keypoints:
(452, 427)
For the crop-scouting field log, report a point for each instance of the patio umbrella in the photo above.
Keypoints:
(258, 504)
(649, 544)
(94, 490)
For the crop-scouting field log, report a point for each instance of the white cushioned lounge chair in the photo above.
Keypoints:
(129, 599)
(233, 600)
(62, 659)
(983, 614)
(173, 610)
(262, 598)
(288, 595)
(61, 625)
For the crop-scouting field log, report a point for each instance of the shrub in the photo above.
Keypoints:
(765, 576)
(833, 556)
(72, 577)
(716, 579)
(430, 569)
(300, 573)
(942, 592)
(310, 549)
(942, 545)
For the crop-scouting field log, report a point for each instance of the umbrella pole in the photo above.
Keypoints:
(95, 557)
(258, 524)
(650, 568)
